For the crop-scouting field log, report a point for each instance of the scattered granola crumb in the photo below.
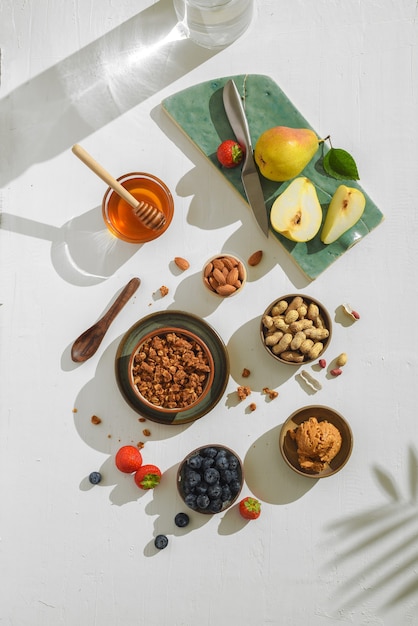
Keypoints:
(109, 436)
(245, 372)
(252, 406)
(146, 432)
(271, 393)
(141, 419)
(243, 392)
(164, 291)
(140, 445)
(75, 410)
(95, 420)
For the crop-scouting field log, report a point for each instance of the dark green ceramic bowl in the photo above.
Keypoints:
(180, 320)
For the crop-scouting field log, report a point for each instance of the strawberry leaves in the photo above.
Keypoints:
(147, 476)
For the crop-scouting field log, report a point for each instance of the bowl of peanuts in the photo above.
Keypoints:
(171, 370)
(296, 329)
(224, 275)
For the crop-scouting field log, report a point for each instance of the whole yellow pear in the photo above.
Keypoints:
(281, 153)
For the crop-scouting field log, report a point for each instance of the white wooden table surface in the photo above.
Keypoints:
(339, 550)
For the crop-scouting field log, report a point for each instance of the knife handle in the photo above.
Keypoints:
(236, 114)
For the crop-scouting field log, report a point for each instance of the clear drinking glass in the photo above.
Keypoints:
(214, 23)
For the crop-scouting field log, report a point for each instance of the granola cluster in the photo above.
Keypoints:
(170, 370)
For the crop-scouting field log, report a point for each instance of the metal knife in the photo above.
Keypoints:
(249, 175)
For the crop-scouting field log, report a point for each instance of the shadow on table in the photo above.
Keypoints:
(83, 251)
(94, 86)
(385, 538)
(214, 206)
(264, 459)
(164, 506)
(120, 424)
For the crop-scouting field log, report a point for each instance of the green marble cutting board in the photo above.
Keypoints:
(200, 113)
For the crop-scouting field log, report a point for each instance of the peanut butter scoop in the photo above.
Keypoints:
(317, 444)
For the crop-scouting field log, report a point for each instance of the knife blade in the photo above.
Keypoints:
(249, 175)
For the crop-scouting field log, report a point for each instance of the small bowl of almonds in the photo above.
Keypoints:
(224, 275)
(296, 329)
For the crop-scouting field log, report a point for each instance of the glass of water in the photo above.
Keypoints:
(214, 23)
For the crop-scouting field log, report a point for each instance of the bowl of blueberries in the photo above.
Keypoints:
(210, 479)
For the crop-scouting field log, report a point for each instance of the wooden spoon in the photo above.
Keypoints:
(86, 345)
(148, 214)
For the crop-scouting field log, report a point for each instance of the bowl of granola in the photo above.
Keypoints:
(171, 370)
(296, 329)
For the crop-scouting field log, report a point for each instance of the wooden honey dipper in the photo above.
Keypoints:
(148, 214)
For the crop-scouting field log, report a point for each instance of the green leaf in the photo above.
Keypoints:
(340, 164)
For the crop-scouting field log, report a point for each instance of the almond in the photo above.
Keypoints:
(219, 276)
(241, 271)
(232, 277)
(208, 270)
(255, 258)
(229, 262)
(181, 263)
(226, 290)
(213, 283)
(218, 264)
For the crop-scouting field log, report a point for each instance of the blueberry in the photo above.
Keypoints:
(235, 486)
(214, 491)
(207, 462)
(222, 462)
(228, 476)
(95, 478)
(195, 461)
(190, 500)
(209, 452)
(202, 487)
(216, 505)
(161, 542)
(211, 476)
(203, 501)
(233, 462)
(226, 493)
(186, 488)
(181, 520)
(192, 478)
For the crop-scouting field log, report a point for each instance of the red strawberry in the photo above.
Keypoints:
(250, 508)
(230, 153)
(147, 476)
(128, 459)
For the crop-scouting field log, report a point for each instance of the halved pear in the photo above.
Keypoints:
(296, 213)
(345, 209)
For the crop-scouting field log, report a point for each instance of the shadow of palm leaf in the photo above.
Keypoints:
(385, 539)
